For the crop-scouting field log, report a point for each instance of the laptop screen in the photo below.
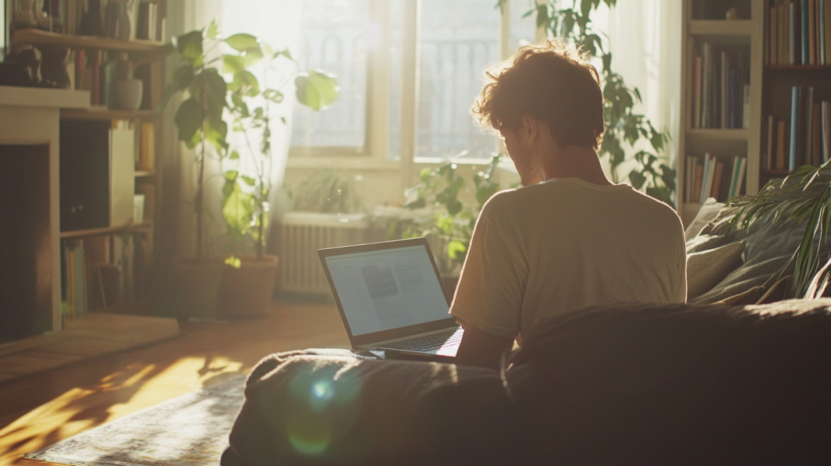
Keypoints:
(387, 289)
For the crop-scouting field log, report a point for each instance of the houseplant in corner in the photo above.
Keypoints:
(190, 287)
(249, 279)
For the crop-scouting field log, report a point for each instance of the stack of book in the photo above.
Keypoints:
(709, 176)
(721, 88)
(806, 137)
(148, 13)
(798, 32)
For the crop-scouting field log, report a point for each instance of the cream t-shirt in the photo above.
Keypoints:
(566, 244)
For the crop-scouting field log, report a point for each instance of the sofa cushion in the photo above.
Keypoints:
(707, 268)
(679, 384)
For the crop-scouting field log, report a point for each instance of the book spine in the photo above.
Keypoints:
(723, 94)
(781, 139)
(783, 11)
(741, 175)
(826, 130)
(706, 120)
(827, 38)
(803, 33)
(699, 180)
(816, 134)
(770, 150)
(718, 171)
(812, 32)
(821, 60)
(807, 125)
(795, 111)
(793, 33)
(697, 90)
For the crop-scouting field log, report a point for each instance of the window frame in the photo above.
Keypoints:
(374, 153)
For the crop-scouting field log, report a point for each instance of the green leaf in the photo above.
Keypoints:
(246, 82)
(181, 80)
(238, 210)
(637, 179)
(234, 155)
(234, 262)
(248, 180)
(242, 42)
(231, 175)
(252, 56)
(273, 95)
(232, 64)
(456, 249)
(189, 46)
(189, 120)
(316, 89)
(213, 30)
(216, 132)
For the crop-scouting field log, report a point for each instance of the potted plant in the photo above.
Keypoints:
(451, 222)
(249, 279)
(190, 287)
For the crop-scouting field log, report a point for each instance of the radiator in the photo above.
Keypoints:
(301, 235)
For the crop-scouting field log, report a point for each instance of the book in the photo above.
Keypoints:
(827, 28)
(793, 33)
(803, 36)
(783, 11)
(770, 147)
(821, 59)
(147, 146)
(699, 181)
(806, 125)
(781, 144)
(706, 86)
(826, 130)
(812, 31)
(793, 150)
(717, 173)
(746, 106)
(696, 119)
(816, 135)
(723, 90)
(740, 178)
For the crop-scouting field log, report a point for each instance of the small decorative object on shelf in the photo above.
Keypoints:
(24, 14)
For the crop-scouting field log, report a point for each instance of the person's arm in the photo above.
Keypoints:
(480, 348)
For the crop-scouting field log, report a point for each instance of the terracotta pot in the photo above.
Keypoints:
(186, 289)
(247, 291)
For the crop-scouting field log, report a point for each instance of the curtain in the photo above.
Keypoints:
(645, 39)
(276, 22)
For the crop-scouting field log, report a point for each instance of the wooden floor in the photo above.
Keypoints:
(88, 336)
(40, 409)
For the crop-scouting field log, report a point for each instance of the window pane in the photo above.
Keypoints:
(523, 30)
(458, 39)
(335, 40)
(394, 77)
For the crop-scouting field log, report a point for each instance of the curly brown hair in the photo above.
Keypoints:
(551, 81)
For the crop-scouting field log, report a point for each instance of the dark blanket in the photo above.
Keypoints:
(625, 384)
(332, 407)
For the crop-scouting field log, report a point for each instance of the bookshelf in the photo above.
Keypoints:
(731, 53)
(105, 249)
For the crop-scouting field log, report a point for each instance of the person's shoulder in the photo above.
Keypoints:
(502, 200)
(658, 211)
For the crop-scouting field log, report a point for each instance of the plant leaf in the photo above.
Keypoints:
(316, 89)
(189, 122)
(242, 42)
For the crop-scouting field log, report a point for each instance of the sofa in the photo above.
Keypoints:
(640, 384)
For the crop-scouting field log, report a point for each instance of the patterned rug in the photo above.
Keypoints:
(189, 430)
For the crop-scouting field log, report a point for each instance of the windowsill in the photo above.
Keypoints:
(342, 162)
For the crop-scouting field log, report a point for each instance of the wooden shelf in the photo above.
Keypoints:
(144, 174)
(718, 134)
(742, 27)
(797, 67)
(44, 38)
(147, 225)
(104, 113)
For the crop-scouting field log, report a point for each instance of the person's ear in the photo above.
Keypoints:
(530, 128)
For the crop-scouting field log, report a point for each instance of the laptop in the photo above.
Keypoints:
(391, 298)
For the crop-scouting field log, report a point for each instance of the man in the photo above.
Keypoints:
(570, 238)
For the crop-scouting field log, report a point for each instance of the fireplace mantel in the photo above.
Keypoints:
(31, 116)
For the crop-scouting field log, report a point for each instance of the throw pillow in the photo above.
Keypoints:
(706, 269)
(703, 242)
(708, 211)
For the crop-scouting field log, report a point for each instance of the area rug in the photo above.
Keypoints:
(186, 431)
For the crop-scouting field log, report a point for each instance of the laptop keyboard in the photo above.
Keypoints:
(429, 342)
